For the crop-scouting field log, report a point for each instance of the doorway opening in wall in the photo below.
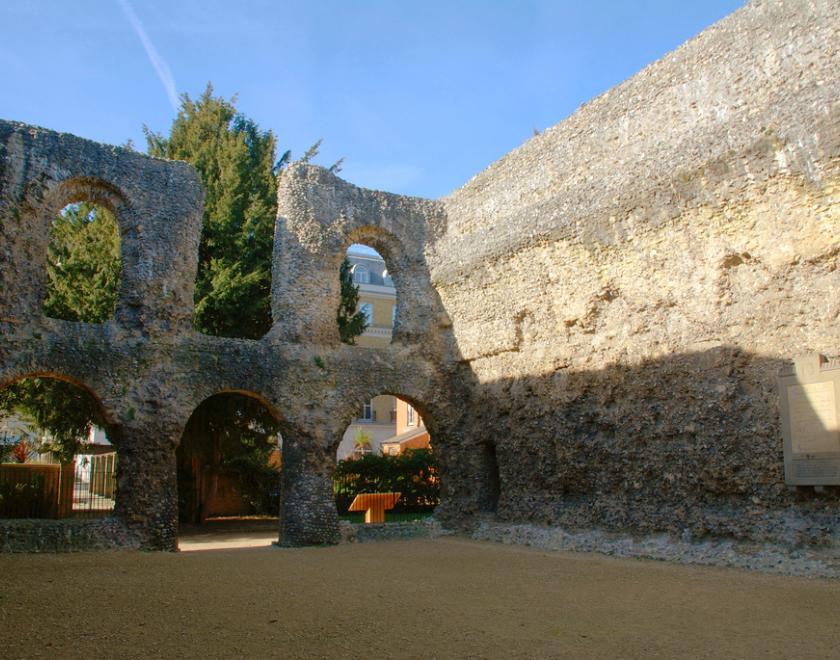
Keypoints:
(56, 460)
(385, 450)
(83, 264)
(228, 466)
(368, 309)
(489, 501)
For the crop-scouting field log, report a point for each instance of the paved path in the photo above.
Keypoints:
(222, 534)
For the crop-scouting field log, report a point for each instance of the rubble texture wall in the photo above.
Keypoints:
(626, 286)
(147, 367)
(591, 328)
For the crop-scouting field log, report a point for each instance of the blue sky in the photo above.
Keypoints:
(416, 96)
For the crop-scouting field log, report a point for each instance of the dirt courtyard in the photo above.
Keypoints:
(441, 598)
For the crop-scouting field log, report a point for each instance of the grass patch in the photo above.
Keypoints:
(389, 517)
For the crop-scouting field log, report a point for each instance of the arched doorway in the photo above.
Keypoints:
(56, 458)
(229, 460)
(394, 457)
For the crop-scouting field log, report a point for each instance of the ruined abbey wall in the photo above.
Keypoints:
(591, 327)
(625, 287)
(149, 369)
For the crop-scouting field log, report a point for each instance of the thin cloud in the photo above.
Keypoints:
(161, 67)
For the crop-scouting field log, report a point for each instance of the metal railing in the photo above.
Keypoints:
(94, 485)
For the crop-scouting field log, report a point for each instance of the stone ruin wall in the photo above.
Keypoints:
(591, 328)
(149, 369)
(625, 287)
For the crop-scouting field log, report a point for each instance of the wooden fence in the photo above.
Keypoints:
(34, 490)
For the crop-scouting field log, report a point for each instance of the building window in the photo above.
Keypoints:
(367, 310)
(393, 315)
(387, 278)
(411, 418)
(361, 275)
(367, 412)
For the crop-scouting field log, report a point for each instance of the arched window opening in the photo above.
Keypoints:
(382, 453)
(229, 463)
(367, 312)
(56, 460)
(83, 264)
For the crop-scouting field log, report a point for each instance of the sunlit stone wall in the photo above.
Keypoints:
(625, 287)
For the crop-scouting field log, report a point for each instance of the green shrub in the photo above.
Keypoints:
(412, 473)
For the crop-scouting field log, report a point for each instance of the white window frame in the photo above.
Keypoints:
(361, 274)
(410, 417)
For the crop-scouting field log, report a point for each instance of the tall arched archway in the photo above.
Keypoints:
(396, 457)
(57, 459)
(229, 459)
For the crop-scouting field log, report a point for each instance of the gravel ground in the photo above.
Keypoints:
(421, 598)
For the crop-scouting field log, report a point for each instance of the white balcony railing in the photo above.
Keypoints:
(378, 331)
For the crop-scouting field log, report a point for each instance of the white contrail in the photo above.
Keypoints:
(159, 64)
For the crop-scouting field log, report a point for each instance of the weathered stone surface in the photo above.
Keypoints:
(591, 328)
(149, 370)
(625, 287)
(67, 536)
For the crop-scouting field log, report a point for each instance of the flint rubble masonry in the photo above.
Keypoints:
(591, 328)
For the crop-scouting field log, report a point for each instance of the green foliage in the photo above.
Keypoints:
(350, 322)
(235, 422)
(259, 482)
(412, 473)
(63, 411)
(235, 160)
(361, 439)
(83, 264)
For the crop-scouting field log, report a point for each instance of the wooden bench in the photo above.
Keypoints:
(374, 505)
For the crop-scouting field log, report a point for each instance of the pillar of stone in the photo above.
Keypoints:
(307, 504)
(147, 486)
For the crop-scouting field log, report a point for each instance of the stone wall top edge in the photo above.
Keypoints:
(9, 127)
(708, 56)
(310, 196)
(548, 186)
(317, 174)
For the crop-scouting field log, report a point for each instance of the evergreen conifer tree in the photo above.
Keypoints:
(350, 322)
(83, 264)
(235, 161)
